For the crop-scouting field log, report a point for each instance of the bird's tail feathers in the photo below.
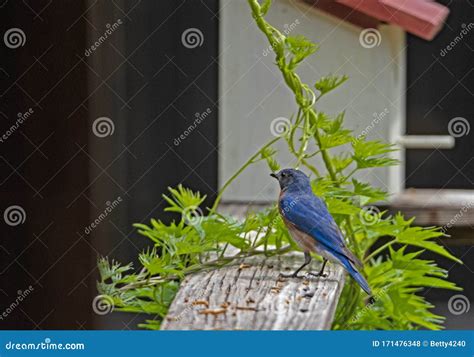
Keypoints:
(355, 274)
(351, 256)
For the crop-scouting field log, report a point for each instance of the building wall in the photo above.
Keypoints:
(252, 92)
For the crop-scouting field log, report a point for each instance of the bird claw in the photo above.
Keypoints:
(318, 275)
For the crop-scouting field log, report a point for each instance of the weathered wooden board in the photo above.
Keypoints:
(437, 207)
(251, 296)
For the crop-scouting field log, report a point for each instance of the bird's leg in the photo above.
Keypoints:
(321, 272)
(307, 260)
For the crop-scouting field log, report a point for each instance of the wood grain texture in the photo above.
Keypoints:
(447, 207)
(250, 295)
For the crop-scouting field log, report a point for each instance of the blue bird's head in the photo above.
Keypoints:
(292, 179)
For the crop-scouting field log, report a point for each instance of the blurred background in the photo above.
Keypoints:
(104, 104)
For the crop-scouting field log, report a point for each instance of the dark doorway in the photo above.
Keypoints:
(440, 99)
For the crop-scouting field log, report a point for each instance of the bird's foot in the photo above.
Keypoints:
(318, 275)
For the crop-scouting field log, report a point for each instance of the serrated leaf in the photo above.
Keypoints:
(329, 83)
(300, 47)
(367, 193)
(339, 138)
(420, 237)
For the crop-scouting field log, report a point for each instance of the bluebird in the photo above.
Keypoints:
(312, 226)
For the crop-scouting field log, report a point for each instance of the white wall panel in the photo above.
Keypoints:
(252, 92)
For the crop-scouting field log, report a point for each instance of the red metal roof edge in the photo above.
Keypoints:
(422, 18)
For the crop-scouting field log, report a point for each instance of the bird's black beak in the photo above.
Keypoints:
(274, 175)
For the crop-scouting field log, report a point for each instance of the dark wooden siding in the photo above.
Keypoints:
(150, 86)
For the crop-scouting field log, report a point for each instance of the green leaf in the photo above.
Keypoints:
(421, 237)
(329, 83)
(268, 154)
(337, 206)
(337, 139)
(300, 47)
(371, 153)
(341, 161)
(368, 194)
(183, 199)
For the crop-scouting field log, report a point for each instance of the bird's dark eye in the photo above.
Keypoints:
(283, 174)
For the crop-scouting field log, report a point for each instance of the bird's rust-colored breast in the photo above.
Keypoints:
(304, 241)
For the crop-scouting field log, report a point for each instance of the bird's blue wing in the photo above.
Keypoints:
(310, 215)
